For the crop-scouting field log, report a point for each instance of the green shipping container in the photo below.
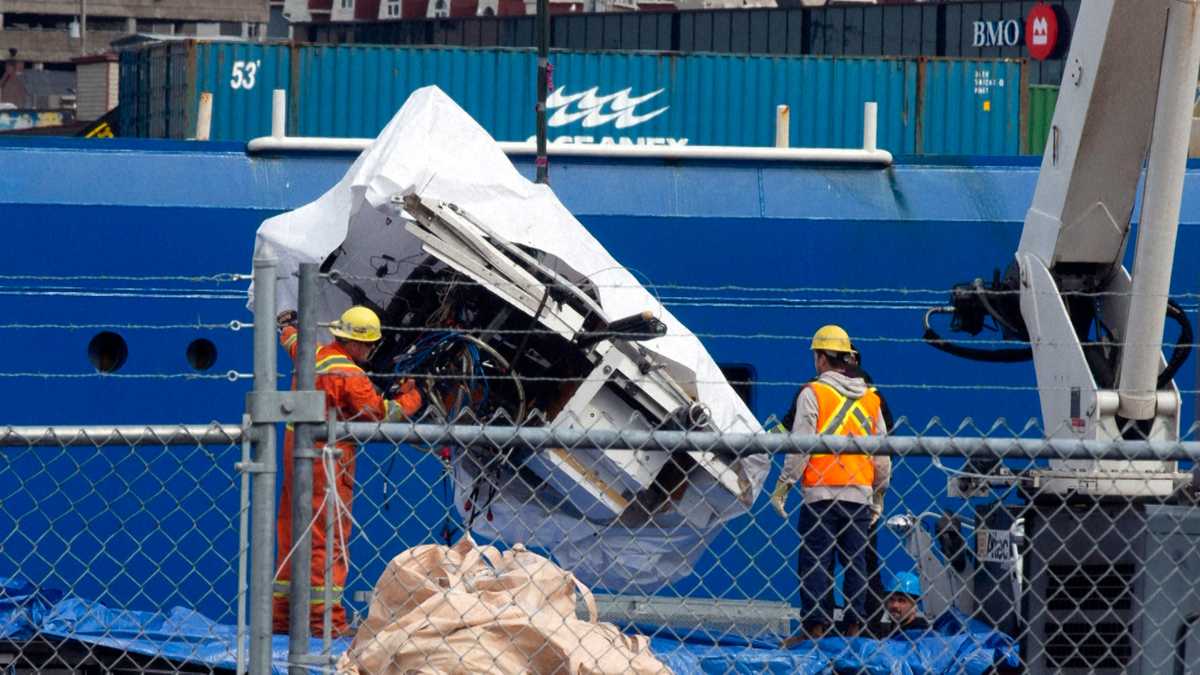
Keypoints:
(1042, 99)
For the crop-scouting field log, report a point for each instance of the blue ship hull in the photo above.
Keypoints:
(137, 209)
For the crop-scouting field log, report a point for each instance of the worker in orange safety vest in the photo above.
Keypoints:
(352, 395)
(841, 491)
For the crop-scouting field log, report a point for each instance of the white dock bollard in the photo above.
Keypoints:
(204, 116)
(783, 126)
(870, 125)
(279, 113)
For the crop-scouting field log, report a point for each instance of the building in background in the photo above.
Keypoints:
(58, 65)
(96, 85)
(322, 11)
(33, 98)
(49, 34)
(36, 88)
(278, 26)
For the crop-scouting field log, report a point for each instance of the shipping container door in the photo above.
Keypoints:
(971, 107)
(242, 78)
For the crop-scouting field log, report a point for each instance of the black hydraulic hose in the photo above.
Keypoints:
(972, 353)
(1179, 355)
(996, 316)
(1183, 344)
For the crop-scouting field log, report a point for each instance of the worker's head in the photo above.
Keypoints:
(832, 350)
(358, 331)
(903, 594)
(855, 355)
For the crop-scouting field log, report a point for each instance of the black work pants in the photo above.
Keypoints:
(831, 532)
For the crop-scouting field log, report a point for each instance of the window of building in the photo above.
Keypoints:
(113, 24)
(156, 26)
(347, 4)
(277, 26)
(393, 9)
(17, 21)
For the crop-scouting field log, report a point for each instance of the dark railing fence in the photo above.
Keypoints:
(989, 29)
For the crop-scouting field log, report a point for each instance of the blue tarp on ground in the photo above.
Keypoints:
(179, 634)
(954, 645)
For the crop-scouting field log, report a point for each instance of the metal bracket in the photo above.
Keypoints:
(249, 436)
(286, 406)
(968, 488)
(250, 467)
(331, 421)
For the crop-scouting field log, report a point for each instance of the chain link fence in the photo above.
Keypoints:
(115, 538)
(974, 549)
(975, 544)
(479, 536)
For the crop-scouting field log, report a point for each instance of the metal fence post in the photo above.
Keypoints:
(303, 454)
(262, 535)
(243, 546)
(543, 88)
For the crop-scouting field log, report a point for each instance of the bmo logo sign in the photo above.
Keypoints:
(997, 33)
(1039, 32)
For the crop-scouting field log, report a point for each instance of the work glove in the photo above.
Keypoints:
(286, 318)
(779, 497)
(409, 398)
(876, 506)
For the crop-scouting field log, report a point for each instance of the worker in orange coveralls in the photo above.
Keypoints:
(353, 396)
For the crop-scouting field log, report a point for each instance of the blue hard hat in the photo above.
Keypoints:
(907, 583)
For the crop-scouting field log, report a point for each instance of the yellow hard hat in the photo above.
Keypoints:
(358, 324)
(832, 339)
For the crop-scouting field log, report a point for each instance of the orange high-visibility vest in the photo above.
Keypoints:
(842, 416)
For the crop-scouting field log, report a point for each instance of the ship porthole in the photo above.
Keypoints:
(201, 354)
(107, 351)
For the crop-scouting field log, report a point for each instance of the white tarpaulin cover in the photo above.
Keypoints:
(434, 149)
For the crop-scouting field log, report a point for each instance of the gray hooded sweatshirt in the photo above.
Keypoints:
(806, 423)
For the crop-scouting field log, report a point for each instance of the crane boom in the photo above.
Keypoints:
(1100, 133)
(1095, 335)
(1095, 331)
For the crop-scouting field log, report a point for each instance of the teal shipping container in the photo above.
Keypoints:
(160, 87)
(596, 98)
(646, 99)
(972, 107)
